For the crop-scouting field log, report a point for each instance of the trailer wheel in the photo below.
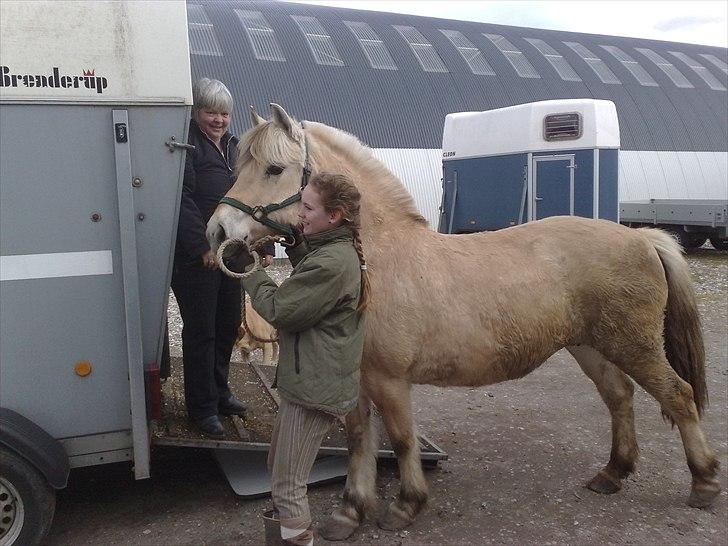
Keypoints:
(27, 501)
(719, 244)
(689, 240)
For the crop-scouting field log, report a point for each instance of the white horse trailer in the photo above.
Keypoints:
(94, 99)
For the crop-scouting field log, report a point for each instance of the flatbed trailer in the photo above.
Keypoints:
(692, 221)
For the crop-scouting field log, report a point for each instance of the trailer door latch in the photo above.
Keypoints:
(173, 145)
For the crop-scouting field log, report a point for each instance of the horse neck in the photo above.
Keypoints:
(388, 211)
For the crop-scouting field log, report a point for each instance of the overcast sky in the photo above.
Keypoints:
(695, 22)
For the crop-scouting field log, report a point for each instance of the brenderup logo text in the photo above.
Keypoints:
(89, 80)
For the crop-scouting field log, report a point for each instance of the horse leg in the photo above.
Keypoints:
(393, 399)
(676, 400)
(360, 492)
(617, 391)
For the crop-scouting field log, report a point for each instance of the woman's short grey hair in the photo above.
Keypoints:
(212, 94)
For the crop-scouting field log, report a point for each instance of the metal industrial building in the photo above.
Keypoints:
(391, 79)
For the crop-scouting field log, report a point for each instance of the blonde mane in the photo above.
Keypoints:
(370, 171)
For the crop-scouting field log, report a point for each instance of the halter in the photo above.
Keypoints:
(260, 213)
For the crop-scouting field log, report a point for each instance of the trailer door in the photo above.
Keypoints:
(553, 185)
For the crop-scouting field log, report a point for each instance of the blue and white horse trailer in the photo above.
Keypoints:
(512, 165)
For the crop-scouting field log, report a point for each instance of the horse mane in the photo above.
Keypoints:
(363, 160)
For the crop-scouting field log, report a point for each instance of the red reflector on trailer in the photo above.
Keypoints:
(154, 392)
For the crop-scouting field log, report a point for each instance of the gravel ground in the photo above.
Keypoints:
(519, 454)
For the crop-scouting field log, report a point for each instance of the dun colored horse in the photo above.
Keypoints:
(477, 309)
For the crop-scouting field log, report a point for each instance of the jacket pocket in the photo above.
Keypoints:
(297, 359)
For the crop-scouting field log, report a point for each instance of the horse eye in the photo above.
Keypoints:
(273, 170)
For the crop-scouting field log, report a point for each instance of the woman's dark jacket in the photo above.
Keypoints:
(209, 175)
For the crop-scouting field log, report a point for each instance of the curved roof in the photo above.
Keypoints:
(391, 79)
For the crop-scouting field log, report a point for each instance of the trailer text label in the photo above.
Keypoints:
(88, 79)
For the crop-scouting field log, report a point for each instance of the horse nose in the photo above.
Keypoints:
(216, 236)
(220, 234)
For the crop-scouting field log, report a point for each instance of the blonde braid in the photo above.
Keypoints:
(364, 290)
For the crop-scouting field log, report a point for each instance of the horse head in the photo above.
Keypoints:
(272, 166)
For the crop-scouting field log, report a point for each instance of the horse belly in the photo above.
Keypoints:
(478, 364)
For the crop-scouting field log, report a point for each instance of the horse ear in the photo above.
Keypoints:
(254, 117)
(281, 118)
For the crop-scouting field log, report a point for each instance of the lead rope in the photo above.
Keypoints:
(235, 275)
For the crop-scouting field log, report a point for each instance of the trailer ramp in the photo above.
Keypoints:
(243, 452)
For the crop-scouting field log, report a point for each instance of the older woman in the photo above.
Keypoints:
(209, 301)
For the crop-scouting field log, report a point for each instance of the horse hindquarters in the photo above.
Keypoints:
(676, 381)
(685, 353)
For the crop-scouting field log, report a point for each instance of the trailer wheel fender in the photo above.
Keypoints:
(36, 446)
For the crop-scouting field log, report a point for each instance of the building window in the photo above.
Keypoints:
(700, 70)
(201, 32)
(562, 67)
(630, 64)
(517, 59)
(423, 50)
(595, 63)
(716, 61)
(261, 36)
(471, 54)
(321, 44)
(374, 49)
(667, 67)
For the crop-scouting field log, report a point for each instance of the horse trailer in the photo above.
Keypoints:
(512, 165)
(90, 178)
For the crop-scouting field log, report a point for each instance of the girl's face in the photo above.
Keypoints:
(313, 215)
(213, 123)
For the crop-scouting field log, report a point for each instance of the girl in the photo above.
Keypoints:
(318, 314)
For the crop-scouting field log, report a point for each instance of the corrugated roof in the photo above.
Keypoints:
(406, 107)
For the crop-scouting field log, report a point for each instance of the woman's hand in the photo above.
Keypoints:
(209, 260)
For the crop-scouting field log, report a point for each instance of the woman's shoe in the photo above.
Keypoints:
(211, 426)
(231, 406)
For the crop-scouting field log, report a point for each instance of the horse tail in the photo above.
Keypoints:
(682, 331)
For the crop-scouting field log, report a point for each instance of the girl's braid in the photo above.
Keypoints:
(339, 193)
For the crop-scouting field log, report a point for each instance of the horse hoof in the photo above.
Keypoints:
(337, 527)
(703, 497)
(393, 518)
(603, 485)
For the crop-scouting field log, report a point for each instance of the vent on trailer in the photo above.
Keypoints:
(562, 126)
